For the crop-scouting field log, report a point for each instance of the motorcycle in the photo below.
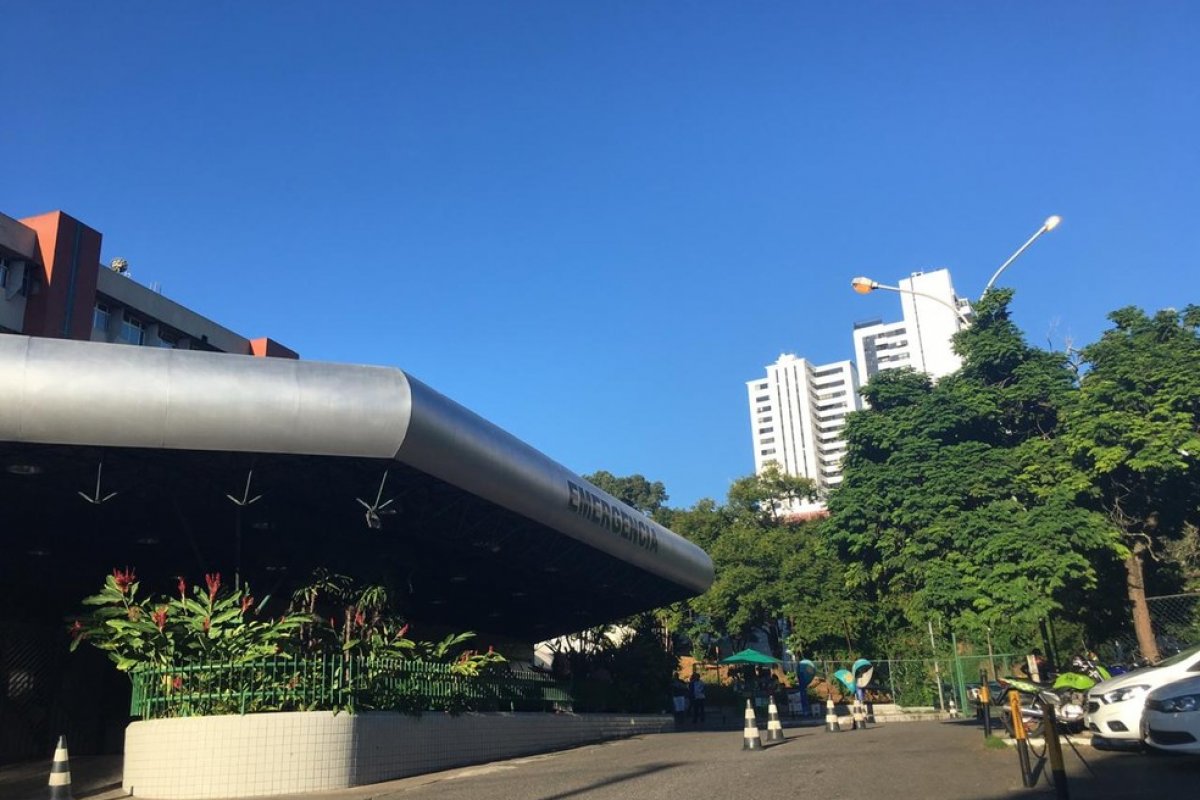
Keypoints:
(1067, 693)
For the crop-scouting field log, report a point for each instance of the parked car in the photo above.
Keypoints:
(1114, 708)
(1171, 720)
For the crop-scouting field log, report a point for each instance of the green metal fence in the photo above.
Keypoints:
(339, 683)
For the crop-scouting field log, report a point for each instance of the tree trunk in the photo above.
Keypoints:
(1135, 583)
(774, 642)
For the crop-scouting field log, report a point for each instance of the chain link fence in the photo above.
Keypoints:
(919, 683)
(1176, 622)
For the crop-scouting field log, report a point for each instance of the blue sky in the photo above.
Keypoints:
(592, 222)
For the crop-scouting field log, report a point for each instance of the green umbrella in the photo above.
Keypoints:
(749, 657)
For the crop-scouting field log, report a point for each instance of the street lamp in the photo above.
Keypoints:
(1050, 224)
(866, 286)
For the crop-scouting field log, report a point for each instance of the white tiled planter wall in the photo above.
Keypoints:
(195, 758)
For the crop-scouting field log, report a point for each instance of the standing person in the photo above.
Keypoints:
(679, 698)
(696, 692)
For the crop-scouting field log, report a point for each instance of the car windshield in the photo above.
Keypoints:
(1179, 657)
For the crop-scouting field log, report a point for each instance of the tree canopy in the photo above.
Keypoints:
(1132, 440)
(934, 518)
(1026, 486)
(633, 490)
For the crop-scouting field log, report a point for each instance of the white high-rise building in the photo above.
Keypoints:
(923, 339)
(797, 414)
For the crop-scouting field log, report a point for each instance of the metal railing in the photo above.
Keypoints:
(338, 683)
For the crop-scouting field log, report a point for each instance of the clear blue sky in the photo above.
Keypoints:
(592, 222)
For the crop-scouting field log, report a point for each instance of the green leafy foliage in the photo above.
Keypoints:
(774, 573)
(1010, 493)
(210, 649)
(1131, 443)
(204, 623)
(633, 490)
(936, 517)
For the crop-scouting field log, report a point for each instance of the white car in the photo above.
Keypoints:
(1171, 720)
(1114, 708)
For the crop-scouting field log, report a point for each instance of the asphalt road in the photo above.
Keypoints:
(894, 761)
(898, 761)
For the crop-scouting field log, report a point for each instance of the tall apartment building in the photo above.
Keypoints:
(797, 414)
(53, 284)
(922, 340)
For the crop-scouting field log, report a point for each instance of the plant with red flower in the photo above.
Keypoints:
(175, 630)
(214, 583)
(177, 683)
(124, 579)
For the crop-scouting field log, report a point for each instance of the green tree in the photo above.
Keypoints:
(633, 490)
(774, 573)
(1133, 440)
(770, 495)
(935, 517)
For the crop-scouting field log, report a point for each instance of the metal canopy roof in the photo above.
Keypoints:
(482, 531)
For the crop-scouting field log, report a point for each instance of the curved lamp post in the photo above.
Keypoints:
(1050, 224)
(866, 285)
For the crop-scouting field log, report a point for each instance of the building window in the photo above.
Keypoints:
(768, 452)
(167, 340)
(3, 274)
(767, 429)
(133, 330)
(100, 317)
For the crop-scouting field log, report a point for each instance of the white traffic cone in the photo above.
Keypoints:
(831, 720)
(774, 726)
(860, 716)
(750, 738)
(60, 772)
